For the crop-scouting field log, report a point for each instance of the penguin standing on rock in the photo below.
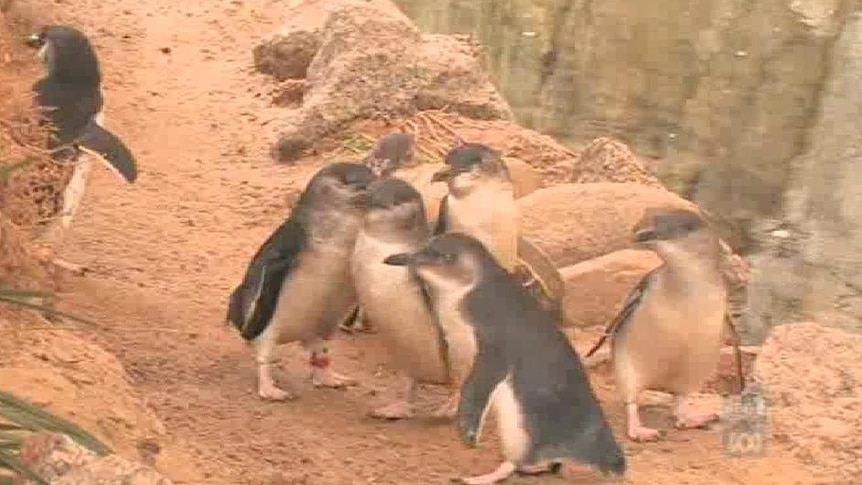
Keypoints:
(392, 297)
(668, 335)
(298, 286)
(70, 96)
(522, 364)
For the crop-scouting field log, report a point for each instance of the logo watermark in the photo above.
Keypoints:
(744, 432)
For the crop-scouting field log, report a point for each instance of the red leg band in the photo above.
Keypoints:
(320, 360)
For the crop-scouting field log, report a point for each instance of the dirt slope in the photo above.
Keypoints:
(165, 252)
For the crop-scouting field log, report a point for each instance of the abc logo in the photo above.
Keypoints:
(744, 442)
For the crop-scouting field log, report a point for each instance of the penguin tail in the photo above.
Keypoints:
(110, 150)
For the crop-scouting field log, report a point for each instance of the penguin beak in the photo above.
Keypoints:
(442, 175)
(34, 41)
(646, 234)
(400, 259)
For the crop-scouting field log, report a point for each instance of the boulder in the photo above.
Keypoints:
(609, 160)
(287, 55)
(597, 288)
(576, 222)
(373, 62)
(62, 461)
(811, 377)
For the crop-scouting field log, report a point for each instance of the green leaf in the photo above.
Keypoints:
(11, 462)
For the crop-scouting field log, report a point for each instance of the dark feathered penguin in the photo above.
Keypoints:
(298, 286)
(393, 298)
(668, 334)
(70, 97)
(523, 365)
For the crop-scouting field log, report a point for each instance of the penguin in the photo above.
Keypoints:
(669, 333)
(523, 367)
(298, 286)
(481, 203)
(391, 152)
(393, 298)
(71, 98)
(481, 200)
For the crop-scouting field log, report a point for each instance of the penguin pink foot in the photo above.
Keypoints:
(400, 409)
(504, 471)
(636, 430)
(266, 387)
(323, 376)
(686, 418)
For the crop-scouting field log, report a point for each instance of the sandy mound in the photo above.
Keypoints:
(812, 379)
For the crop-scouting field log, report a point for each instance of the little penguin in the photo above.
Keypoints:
(391, 152)
(523, 366)
(392, 297)
(669, 333)
(481, 200)
(70, 96)
(298, 286)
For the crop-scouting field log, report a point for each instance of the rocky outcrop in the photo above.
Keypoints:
(811, 376)
(608, 160)
(371, 62)
(61, 461)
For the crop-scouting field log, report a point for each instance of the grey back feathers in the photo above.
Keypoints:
(519, 342)
(336, 187)
(391, 152)
(68, 55)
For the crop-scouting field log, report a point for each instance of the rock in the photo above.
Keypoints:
(811, 376)
(577, 222)
(62, 461)
(525, 178)
(287, 55)
(609, 160)
(373, 62)
(597, 288)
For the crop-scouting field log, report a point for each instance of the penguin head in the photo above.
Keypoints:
(340, 185)
(471, 165)
(667, 224)
(395, 205)
(391, 152)
(67, 54)
(452, 260)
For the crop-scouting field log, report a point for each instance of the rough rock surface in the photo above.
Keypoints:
(62, 461)
(373, 62)
(608, 160)
(812, 379)
(576, 222)
(525, 178)
(597, 288)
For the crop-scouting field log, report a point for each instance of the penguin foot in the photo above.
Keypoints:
(395, 410)
(504, 471)
(448, 409)
(75, 269)
(324, 377)
(642, 433)
(552, 468)
(696, 421)
(271, 392)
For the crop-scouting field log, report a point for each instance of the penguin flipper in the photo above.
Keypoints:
(634, 299)
(442, 218)
(488, 371)
(109, 149)
(543, 270)
(252, 303)
(441, 335)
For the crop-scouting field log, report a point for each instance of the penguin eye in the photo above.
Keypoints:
(448, 258)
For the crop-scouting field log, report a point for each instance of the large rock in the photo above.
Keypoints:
(812, 379)
(608, 160)
(597, 288)
(577, 222)
(62, 461)
(373, 62)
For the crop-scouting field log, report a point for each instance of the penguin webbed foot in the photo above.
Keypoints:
(326, 377)
(551, 468)
(641, 433)
(688, 418)
(504, 471)
(400, 409)
(266, 388)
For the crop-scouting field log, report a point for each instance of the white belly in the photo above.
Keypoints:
(513, 434)
(491, 216)
(314, 299)
(394, 305)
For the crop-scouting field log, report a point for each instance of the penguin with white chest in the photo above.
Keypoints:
(523, 366)
(298, 286)
(668, 335)
(392, 297)
(71, 98)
